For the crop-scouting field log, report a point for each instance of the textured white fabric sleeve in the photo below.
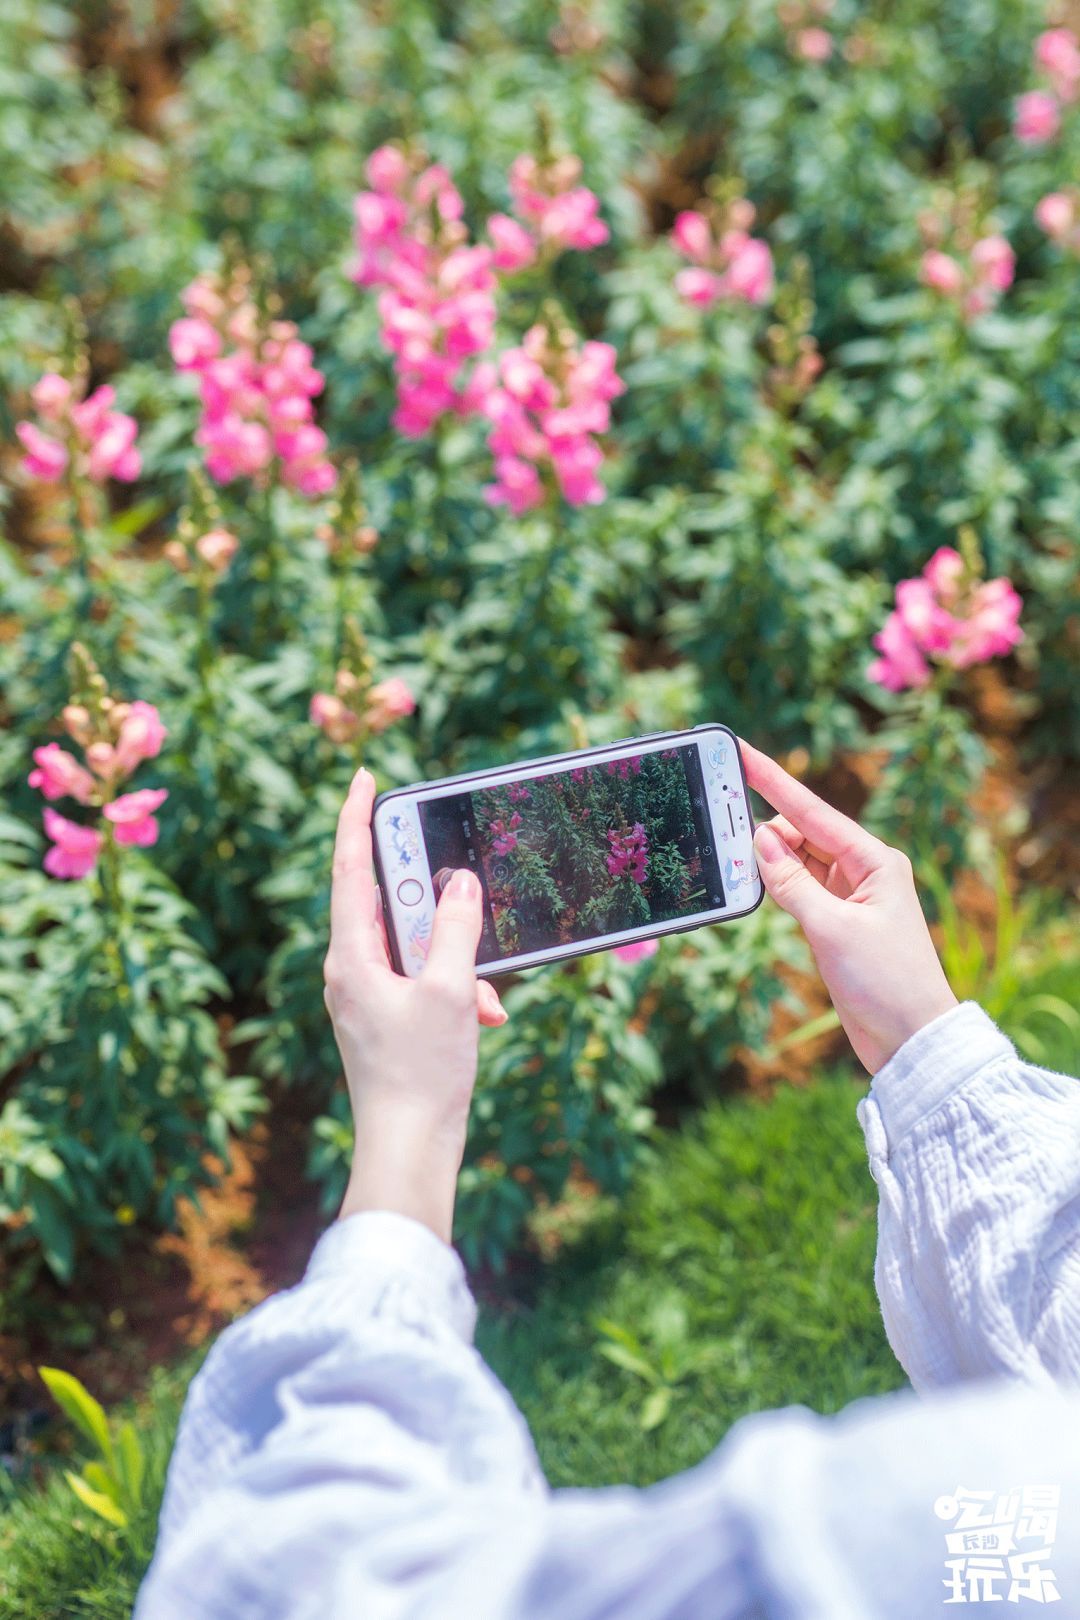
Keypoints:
(345, 1455)
(977, 1159)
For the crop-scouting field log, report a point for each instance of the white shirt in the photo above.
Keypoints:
(345, 1454)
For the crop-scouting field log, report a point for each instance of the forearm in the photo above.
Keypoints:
(977, 1159)
(336, 1428)
(405, 1163)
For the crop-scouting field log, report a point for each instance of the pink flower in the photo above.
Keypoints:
(256, 385)
(436, 306)
(733, 265)
(901, 663)
(637, 951)
(994, 262)
(813, 44)
(629, 854)
(59, 775)
(990, 629)
(51, 395)
(45, 460)
(75, 849)
(333, 717)
(563, 214)
(101, 439)
(217, 548)
(1056, 214)
(390, 700)
(942, 615)
(513, 247)
(133, 816)
(941, 272)
(1036, 118)
(1056, 52)
(113, 453)
(750, 275)
(193, 343)
(692, 235)
(141, 736)
(545, 403)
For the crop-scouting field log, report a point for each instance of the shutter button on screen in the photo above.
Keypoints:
(410, 893)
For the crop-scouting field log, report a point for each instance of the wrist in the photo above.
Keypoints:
(407, 1163)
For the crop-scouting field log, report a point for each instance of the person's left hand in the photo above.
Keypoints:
(408, 1046)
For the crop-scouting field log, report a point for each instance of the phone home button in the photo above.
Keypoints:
(410, 893)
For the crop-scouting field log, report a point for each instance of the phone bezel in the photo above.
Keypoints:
(619, 748)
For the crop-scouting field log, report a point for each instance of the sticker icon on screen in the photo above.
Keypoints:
(717, 755)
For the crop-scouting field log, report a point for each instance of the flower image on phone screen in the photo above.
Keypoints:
(592, 850)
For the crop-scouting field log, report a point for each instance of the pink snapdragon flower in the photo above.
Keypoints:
(639, 950)
(257, 384)
(115, 740)
(504, 839)
(975, 285)
(944, 616)
(437, 305)
(546, 401)
(1057, 54)
(629, 853)
(132, 816)
(388, 701)
(342, 714)
(1058, 215)
(813, 44)
(559, 212)
(729, 263)
(513, 247)
(86, 437)
(1036, 118)
(59, 775)
(74, 849)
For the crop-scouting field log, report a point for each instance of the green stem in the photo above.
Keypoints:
(113, 903)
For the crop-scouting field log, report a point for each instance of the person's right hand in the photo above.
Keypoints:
(855, 899)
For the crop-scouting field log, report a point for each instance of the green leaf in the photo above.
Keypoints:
(76, 1401)
(96, 1501)
(656, 1408)
(628, 1361)
(132, 1463)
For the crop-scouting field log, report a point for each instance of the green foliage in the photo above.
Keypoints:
(111, 1485)
(738, 1275)
(61, 1557)
(761, 509)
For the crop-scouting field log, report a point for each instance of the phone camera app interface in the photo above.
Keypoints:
(581, 853)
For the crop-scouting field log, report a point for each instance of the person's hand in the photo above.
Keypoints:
(855, 899)
(408, 1046)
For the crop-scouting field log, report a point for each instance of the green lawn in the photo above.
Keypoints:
(736, 1276)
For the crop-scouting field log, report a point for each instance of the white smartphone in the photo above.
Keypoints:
(576, 852)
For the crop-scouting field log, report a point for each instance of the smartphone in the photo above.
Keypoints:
(575, 852)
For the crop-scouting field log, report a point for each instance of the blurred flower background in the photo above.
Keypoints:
(440, 385)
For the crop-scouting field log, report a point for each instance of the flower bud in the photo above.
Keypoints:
(217, 549)
(75, 719)
(176, 553)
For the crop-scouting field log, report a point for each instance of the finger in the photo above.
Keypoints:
(791, 885)
(489, 1008)
(803, 851)
(380, 923)
(451, 958)
(835, 834)
(353, 931)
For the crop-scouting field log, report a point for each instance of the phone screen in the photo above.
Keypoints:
(583, 852)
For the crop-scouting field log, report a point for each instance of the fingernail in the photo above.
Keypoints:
(769, 845)
(361, 777)
(464, 885)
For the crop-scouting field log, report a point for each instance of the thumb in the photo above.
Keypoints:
(459, 919)
(787, 880)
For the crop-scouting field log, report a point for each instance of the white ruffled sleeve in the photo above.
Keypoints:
(977, 1159)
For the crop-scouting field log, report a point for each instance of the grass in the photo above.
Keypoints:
(738, 1275)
